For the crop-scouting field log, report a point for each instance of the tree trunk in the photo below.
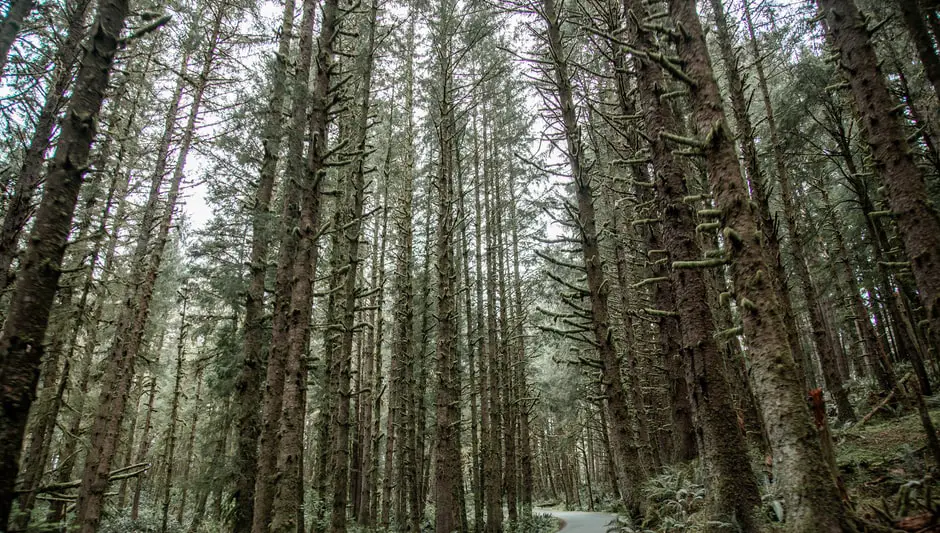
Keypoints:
(403, 307)
(190, 448)
(917, 28)
(169, 449)
(759, 191)
(617, 407)
(285, 389)
(17, 12)
(371, 445)
(248, 391)
(519, 363)
(287, 477)
(822, 341)
(447, 463)
(510, 483)
(917, 220)
(348, 224)
(474, 352)
(135, 312)
(22, 337)
(492, 460)
(878, 360)
(19, 207)
(732, 483)
(812, 500)
(144, 448)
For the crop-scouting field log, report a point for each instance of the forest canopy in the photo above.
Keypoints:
(468, 265)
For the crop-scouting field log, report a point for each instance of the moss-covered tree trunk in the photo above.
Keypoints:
(348, 230)
(811, 498)
(734, 487)
(756, 179)
(248, 390)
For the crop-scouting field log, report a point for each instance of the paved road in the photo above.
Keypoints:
(580, 522)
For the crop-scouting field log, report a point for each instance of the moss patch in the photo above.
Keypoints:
(877, 458)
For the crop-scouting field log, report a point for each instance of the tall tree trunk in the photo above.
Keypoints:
(507, 378)
(248, 391)
(662, 294)
(190, 448)
(23, 333)
(811, 497)
(822, 341)
(732, 483)
(878, 360)
(347, 235)
(288, 492)
(135, 312)
(88, 324)
(144, 448)
(917, 220)
(492, 466)
(447, 463)
(17, 12)
(20, 207)
(616, 398)
(519, 363)
(403, 307)
(759, 191)
(917, 28)
(372, 441)
(286, 376)
(474, 346)
(169, 450)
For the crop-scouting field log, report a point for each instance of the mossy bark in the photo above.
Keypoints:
(811, 497)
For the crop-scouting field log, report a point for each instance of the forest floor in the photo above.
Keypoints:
(883, 464)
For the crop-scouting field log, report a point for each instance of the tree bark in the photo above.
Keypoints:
(348, 232)
(617, 407)
(917, 28)
(287, 478)
(22, 336)
(917, 220)
(248, 391)
(822, 341)
(19, 207)
(403, 307)
(17, 11)
(732, 483)
(812, 500)
(759, 191)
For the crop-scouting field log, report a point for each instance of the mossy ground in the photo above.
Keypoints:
(883, 464)
(878, 458)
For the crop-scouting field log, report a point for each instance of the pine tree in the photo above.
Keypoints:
(22, 337)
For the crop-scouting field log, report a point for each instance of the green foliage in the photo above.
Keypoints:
(676, 501)
(147, 522)
(673, 498)
(878, 458)
(537, 523)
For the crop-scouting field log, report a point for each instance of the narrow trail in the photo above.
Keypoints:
(581, 522)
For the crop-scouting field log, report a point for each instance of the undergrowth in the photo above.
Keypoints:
(884, 464)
